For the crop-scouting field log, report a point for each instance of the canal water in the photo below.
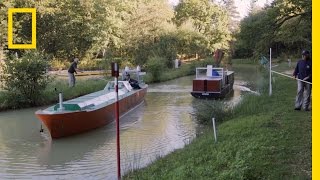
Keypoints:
(158, 126)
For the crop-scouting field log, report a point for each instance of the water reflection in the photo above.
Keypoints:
(156, 127)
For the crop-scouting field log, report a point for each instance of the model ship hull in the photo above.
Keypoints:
(70, 123)
(213, 95)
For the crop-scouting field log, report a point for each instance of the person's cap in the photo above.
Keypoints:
(305, 52)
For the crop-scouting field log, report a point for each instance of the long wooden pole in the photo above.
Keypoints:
(117, 122)
(291, 77)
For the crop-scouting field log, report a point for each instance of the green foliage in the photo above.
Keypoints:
(147, 21)
(168, 45)
(191, 42)
(156, 66)
(25, 78)
(3, 27)
(285, 26)
(165, 47)
(68, 28)
(256, 34)
(57, 64)
(183, 70)
(82, 87)
(127, 29)
(208, 19)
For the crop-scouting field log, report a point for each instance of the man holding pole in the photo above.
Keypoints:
(73, 69)
(304, 72)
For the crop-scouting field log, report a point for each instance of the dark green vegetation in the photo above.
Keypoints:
(160, 73)
(13, 98)
(24, 79)
(285, 26)
(50, 94)
(261, 138)
(149, 33)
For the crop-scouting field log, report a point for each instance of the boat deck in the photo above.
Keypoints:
(91, 101)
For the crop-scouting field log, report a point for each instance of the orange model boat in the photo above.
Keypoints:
(90, 111)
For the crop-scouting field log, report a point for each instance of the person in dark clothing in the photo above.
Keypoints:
(73, 69)
(303, 71)
(134, 83)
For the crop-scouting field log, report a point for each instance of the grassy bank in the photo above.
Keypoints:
(263, 138)
(50, 95)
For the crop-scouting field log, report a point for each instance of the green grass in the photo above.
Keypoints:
(51, 93)
(82, 87)
(263, 139)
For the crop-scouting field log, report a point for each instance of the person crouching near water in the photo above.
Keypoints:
(134, 83)
(304, 72)
(73, 69)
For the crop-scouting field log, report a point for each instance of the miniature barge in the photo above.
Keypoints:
(212, 83)
(91, 111)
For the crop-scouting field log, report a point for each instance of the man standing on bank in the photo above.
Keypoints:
(304, 72)
(73, 69)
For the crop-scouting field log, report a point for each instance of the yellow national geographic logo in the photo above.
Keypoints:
(33, 44)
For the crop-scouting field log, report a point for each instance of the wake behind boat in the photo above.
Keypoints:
(92, 110)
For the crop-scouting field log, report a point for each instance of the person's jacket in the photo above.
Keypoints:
(303, 69)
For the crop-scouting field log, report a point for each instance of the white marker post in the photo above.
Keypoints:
(214, 130)
(61, 108)
(270, 83)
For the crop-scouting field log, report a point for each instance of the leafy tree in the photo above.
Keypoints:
(256, 33)
(69, 28)
(191, 42)
(234, 15)
(285, 26)
(3, 27)
(294, 22)
(149, 20)
(208, 19)
(155, 66)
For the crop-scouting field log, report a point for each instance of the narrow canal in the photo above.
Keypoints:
(161, 124)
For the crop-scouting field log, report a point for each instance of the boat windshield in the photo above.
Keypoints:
(122, 85)
(210, 73)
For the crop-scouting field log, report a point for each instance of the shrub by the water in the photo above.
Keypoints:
(156, 66)
(25, 79)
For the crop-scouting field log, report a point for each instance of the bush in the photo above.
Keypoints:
(25, 78)
(156, 66)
